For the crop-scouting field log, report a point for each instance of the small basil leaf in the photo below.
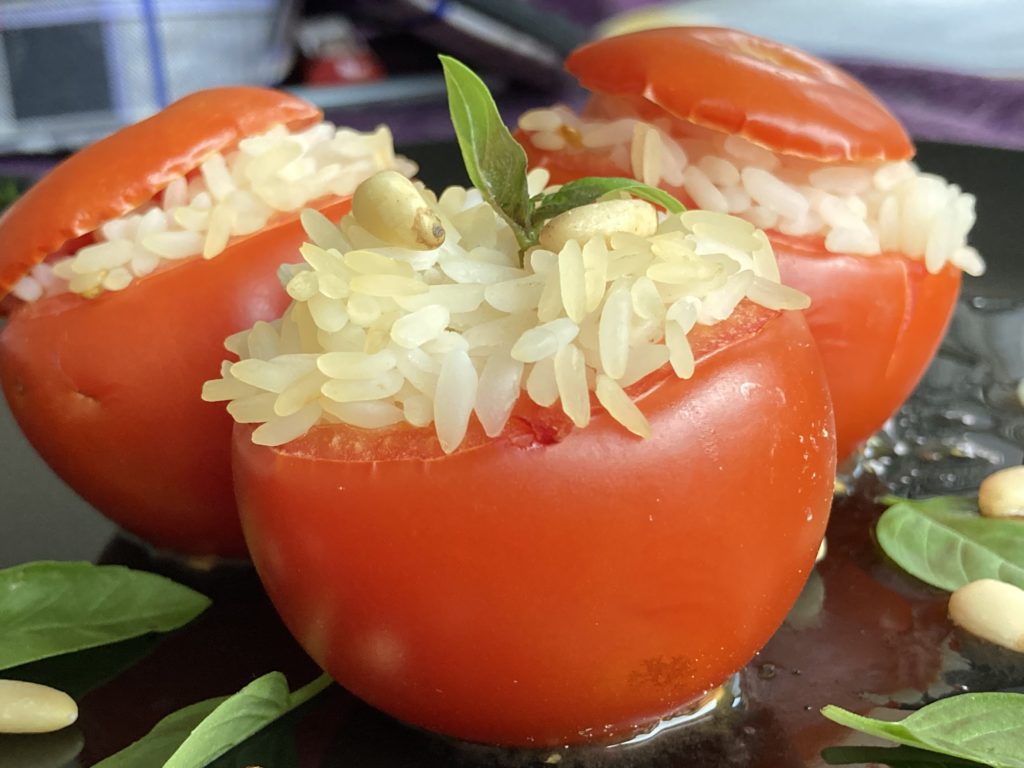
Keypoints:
(588, 189)
(962, 504)
(48, 609)
(495, 161)
(984, 727)
(10, 190)
(275, 746)
(895, 757)
(157, 746)
(198, 734)
(943, 544)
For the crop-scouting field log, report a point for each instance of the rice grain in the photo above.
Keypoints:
(454, 399)
(621, 407)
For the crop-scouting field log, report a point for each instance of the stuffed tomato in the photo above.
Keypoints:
(123, 270)
(735, 123)
(533, 499)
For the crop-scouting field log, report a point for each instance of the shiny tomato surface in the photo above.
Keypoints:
(555, 585)
(107, 389)
(731, 81)
(877, 320)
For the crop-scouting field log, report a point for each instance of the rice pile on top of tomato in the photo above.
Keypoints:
(378, 334)
(233, 193)
(860, 208)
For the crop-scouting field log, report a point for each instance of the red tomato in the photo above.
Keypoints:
(877, 319)
(107, 389)
(555, 585)
(731, 81)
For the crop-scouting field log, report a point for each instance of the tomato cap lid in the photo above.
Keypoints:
(769, 93)
(120, 172)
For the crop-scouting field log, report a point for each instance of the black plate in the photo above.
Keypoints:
(863, 633)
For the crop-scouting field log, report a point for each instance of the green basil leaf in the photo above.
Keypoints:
(895, 757)
(276, 746)
(495, 161)
(984, 727)
(239, 717)
(47, 609)
(10, 190)
(588, 189)
(160, 744)
(200, 733)
(942, 543)
(961, 504)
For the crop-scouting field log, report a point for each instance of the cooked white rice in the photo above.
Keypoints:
(860, 209)
(377, 334)
(233, 194)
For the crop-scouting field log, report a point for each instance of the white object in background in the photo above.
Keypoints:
(74, 70)
(975, 37)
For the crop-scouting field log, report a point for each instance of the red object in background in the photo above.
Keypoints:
(343, 69)
(335, 54)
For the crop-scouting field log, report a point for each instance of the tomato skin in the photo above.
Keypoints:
(124, 170)
(107, 389)
(875, 350)
(554, 585)
(732, 81)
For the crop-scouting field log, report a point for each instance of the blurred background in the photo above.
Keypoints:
(73, 70)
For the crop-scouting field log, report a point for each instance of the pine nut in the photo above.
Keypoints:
(389, 207)
(32, 708)
(992, 610)
(604, 218)
(1002, 493)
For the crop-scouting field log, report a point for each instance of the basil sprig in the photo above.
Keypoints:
(944, 542)
(496, 163)
(197, 735)
(49, 608)
(589, 188)
(987, 728)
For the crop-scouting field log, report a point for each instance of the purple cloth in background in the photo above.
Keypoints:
(947, 106)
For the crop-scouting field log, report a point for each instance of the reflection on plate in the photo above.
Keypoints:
(965, 420)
